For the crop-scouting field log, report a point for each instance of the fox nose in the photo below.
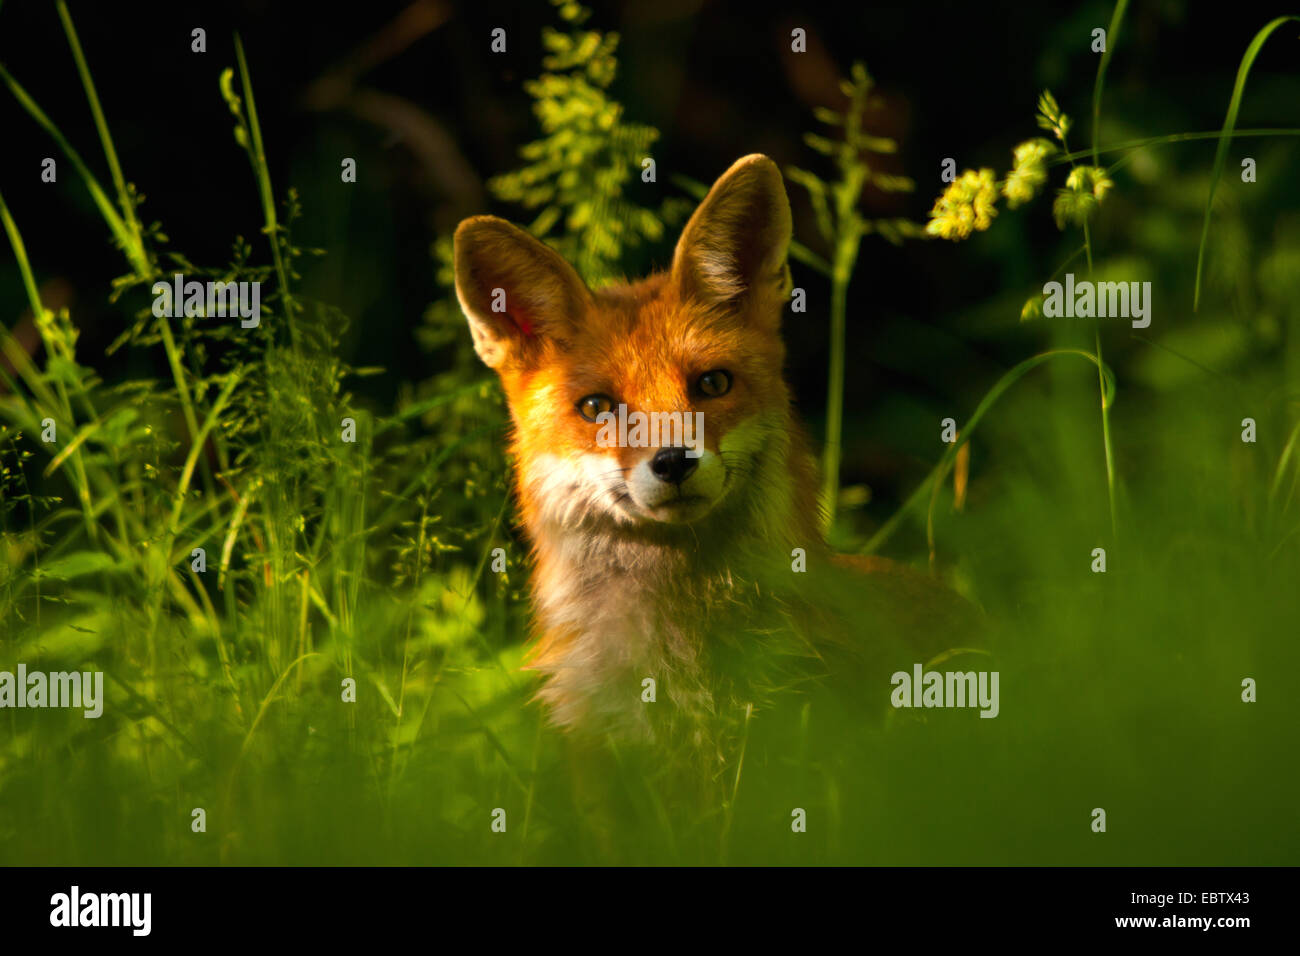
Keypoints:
(672, 465)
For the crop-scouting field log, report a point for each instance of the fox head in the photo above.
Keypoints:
(658, 404)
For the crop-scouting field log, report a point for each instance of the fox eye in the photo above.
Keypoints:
(593, 405)
(715, 383)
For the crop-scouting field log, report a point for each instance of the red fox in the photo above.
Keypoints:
(657, 558)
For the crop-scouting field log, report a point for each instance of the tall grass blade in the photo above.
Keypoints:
(1225, 136)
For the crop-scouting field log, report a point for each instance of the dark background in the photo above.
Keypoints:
(431, 115)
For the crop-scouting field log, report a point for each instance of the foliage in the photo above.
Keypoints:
(577, 174)
(842, 226)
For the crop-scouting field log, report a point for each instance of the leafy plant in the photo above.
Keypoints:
(576, 175)
(842, 227)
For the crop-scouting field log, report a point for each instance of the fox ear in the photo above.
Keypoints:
(733, 251)
(515, 291)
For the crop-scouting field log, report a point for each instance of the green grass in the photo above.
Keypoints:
(330, 562)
